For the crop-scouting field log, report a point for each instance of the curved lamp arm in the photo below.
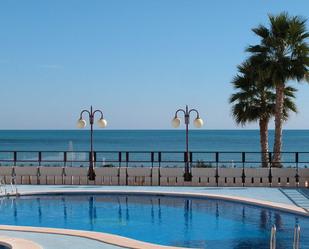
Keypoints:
(99, 111)
(82, 112)
(180, 110)
(196, 111)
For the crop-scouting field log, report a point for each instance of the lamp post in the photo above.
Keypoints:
(81, 123)
(198, 122)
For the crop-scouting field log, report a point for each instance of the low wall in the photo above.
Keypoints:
(143, 176)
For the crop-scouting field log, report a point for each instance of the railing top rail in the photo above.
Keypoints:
(146, 151)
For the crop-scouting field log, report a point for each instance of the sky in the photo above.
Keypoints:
(136, 60)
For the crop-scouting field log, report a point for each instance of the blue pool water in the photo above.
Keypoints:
(188, 222)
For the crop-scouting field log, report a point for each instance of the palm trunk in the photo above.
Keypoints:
(278, 125)
(263, 123)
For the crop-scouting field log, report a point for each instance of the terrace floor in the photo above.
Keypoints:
(57, 241)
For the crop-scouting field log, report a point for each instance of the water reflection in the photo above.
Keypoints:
(159, 211)
(186, 213)
(65, 214)
(14, 206)
(127, 211)
(278, 221)
(152, 215)
(39, 210)
(92, 211)
(119, 210)
(243, 214)
(263, 219)
(217, 211)
(250, 244)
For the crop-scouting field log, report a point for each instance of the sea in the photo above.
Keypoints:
(149, 140)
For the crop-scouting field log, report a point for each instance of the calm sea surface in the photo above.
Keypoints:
(147, 140)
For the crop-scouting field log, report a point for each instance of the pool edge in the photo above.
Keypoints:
(106, 238)
(17, 243)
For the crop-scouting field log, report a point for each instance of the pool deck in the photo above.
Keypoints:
(62, 238)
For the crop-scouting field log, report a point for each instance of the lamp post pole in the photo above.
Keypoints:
(198, 122)
(81, 123)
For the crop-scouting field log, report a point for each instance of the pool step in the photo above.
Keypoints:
(297, 198)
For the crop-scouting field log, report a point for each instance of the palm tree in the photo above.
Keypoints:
(255, 101)
(285, 52)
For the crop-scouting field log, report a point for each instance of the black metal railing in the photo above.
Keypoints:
(200, 159)
(162, 159)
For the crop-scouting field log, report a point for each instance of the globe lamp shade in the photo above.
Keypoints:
(102, 123)
(198, 122)
(176, 122)
(81, 123)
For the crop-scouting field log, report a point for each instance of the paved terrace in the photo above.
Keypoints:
(58, 241)
(271, 197)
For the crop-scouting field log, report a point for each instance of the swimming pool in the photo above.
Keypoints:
(175, 221)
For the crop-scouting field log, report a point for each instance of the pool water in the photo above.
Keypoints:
(175, 221)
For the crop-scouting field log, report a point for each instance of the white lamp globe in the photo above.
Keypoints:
(102, 123)
(81, 123)
(176, 122)
(198, 122)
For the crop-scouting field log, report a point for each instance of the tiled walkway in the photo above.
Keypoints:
(297, 197)
(55, 241)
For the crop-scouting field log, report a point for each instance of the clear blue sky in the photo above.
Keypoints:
(137, 60)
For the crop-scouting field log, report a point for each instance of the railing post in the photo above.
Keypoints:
(127, 159)
(185, 158)
(119, 159)
(63, 175)
(159, 160)
(217, 168)
(152, 159)
(40, 158)
(119, 166)
(90, 157)
(127, 164)
(297, 175)
(243, 176)
(270, 176)
(38, 175)
(13, 176)
(15, 157)
(65, 158)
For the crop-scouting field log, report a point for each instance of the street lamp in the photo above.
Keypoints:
(81, 123)
(198, 122)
